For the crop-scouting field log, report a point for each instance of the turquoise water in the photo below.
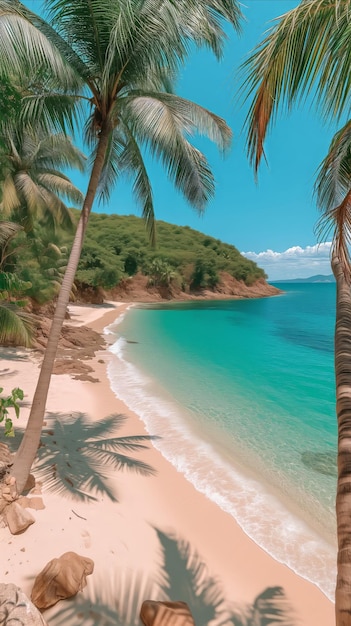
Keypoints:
(242, 395)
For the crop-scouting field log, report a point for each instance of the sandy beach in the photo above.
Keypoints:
(146, 532)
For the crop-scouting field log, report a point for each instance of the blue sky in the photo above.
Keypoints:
(271, 221)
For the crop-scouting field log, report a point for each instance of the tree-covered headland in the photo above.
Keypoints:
(116, 249)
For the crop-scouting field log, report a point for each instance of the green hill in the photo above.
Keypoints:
(118, 261)
(117, 247)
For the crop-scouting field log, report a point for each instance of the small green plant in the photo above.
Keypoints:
(11, 402)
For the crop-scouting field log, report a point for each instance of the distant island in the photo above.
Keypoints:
(318, 278)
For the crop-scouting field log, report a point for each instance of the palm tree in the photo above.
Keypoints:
(31, 188)
(308, 51)
(32, 183)
(124, 55)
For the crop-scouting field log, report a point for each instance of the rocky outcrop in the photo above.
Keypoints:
(161, 613)
(138, 289)
(77, 341)
(77, 344)
(17, 609)
(61, 578)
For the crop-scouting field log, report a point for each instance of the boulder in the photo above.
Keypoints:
(154, 613)
(16, 608)
(61, 578)
(18, 519)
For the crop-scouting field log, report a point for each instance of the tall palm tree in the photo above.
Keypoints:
(32, 184)
(306, 52)
(124, 54)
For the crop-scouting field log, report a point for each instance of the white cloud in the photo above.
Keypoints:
(295, 262)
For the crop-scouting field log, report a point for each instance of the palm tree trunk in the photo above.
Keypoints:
(29, 445)
(343, 409)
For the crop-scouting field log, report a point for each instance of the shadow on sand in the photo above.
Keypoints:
(117, 600)
(74, 454)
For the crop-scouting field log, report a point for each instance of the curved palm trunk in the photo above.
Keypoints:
(343, 409)
(29, 445)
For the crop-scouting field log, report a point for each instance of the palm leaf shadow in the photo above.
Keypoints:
(74, 454)
(270, 608)
(185, 577)
(114, 600)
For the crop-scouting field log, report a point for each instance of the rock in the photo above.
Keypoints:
(36, 503)
(9, 489)
(61, 578)
(18, 519)
(154, 613)
(16, 608)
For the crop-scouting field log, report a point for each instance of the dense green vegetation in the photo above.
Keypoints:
(118, 246)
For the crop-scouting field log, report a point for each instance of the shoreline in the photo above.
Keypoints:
(238, 488)
(120, 536)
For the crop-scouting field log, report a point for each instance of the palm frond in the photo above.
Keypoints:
(306, 49)
(192, 117)
(133, 163)
(56, 112)
(24, 49)
(86, 27)
(111, 169)
(57, 150)
(54, 182)
(337, 221)
(9, 197)
(8, 230)
(32, 194)
(333, 191)
(78, 71)
(334, 175)
(16, 326)
(154, 125)
(32, 189)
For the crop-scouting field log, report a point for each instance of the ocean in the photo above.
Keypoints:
(241, 394)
